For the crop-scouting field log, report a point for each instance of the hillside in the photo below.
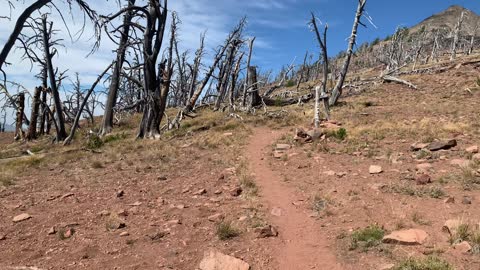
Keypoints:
(448, 19)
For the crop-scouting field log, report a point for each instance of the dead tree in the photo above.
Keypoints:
(456, 33)
(226, 70)
(107, 122)
(82, 106)
(32, 128)
(337, 91)
(196, 66)
(323, 94)
(47, 31)
(19, 134)
(254, 98)
(233, 82)
(249, 59)
(472, 39)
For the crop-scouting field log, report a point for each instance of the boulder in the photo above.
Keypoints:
(216, 218)
(418, 146)
(214, 260)
(463, 247)
(442, 145)
(451, 226)
(406, 237)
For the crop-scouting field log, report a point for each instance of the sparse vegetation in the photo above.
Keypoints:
(226, 231)
(367, 237)
(430, 263)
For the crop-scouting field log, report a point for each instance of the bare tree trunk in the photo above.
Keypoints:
(32, 128)
(457, 30)
(472, 40)
(337, 91)
(196, 67)
(245, 86)
(254, 97)
(61, 133)
(19, 134)
(107, 122)
(233, 82)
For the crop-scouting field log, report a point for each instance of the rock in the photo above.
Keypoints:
(156, 235)
(472, 149)
(3, 237)
(450, 200)
(462, 163)
(423, 179)
(137, 203)
(424, 167)
(406, 237)
(374, 169)
(21, 217)
(329, 173)
(451, 226)
(314, 134)
(104, 213)
(200, 192)
(236, 191)
(267, 231)
(123, 234)
(476, 157)
(467, 200)
(162, 178)
(115, 224)
(463, 247)
(278, 154)
(214, 260)
(341, 174)
(276, 211)
(228, 134)
(52, 230)
(120, 193)
(216, 218)
(185, 190)
(242, 218)
(67, 233)
(283, 147)
(387, 266)
(418, 146)
(442, 145)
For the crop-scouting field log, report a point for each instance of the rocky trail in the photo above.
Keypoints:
(303, 244)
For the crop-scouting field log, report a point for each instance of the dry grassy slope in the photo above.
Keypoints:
(448, 19)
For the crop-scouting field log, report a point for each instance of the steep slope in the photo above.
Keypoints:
(447, 19)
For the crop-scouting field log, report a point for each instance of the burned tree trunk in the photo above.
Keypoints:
(254, 98)
(46, 32)
(472, 39)
(245, 86)
(107, 122)
(32, 128)
(19, 134)
(233, 82)
(456, 33)
(337, 91)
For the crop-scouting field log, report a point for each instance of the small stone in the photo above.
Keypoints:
(450, 200)
(185, 190)
(267, 231)
(214, 260)
(424, 167)
(283, 147)
(472, 149)
(216, 218)
(442, 145)
(276, 211)
(418, 146)
(68, 233)
(341, 174)
(104, 213)
(175, 222)
(278, 154)
(180, 206)
(329, 173)
(236, 191)
(200, 192)
(463, 247)
(467, 200)
(242, 218)
(52, 230)
(3, 237)
(406, 237)
(217, 192)
(155, 236)
(374, 169)
(228, 134)
(162, 178)
(423, 179)
(387, 266)
(120, 193)
(135, 204)
(21, 217)
(123, 234)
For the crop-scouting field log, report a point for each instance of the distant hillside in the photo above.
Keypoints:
(447, 19)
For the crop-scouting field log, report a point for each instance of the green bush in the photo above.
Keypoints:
(366, 238)
(430, 263)
(290, 83)
(94, 142)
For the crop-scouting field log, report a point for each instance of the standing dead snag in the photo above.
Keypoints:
(107, 122)
(32, 128)
(19, 121)
(337, 91)
(323, 95)
(456, 33)
(245, 86)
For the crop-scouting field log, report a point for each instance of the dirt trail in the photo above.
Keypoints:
(304, 245)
